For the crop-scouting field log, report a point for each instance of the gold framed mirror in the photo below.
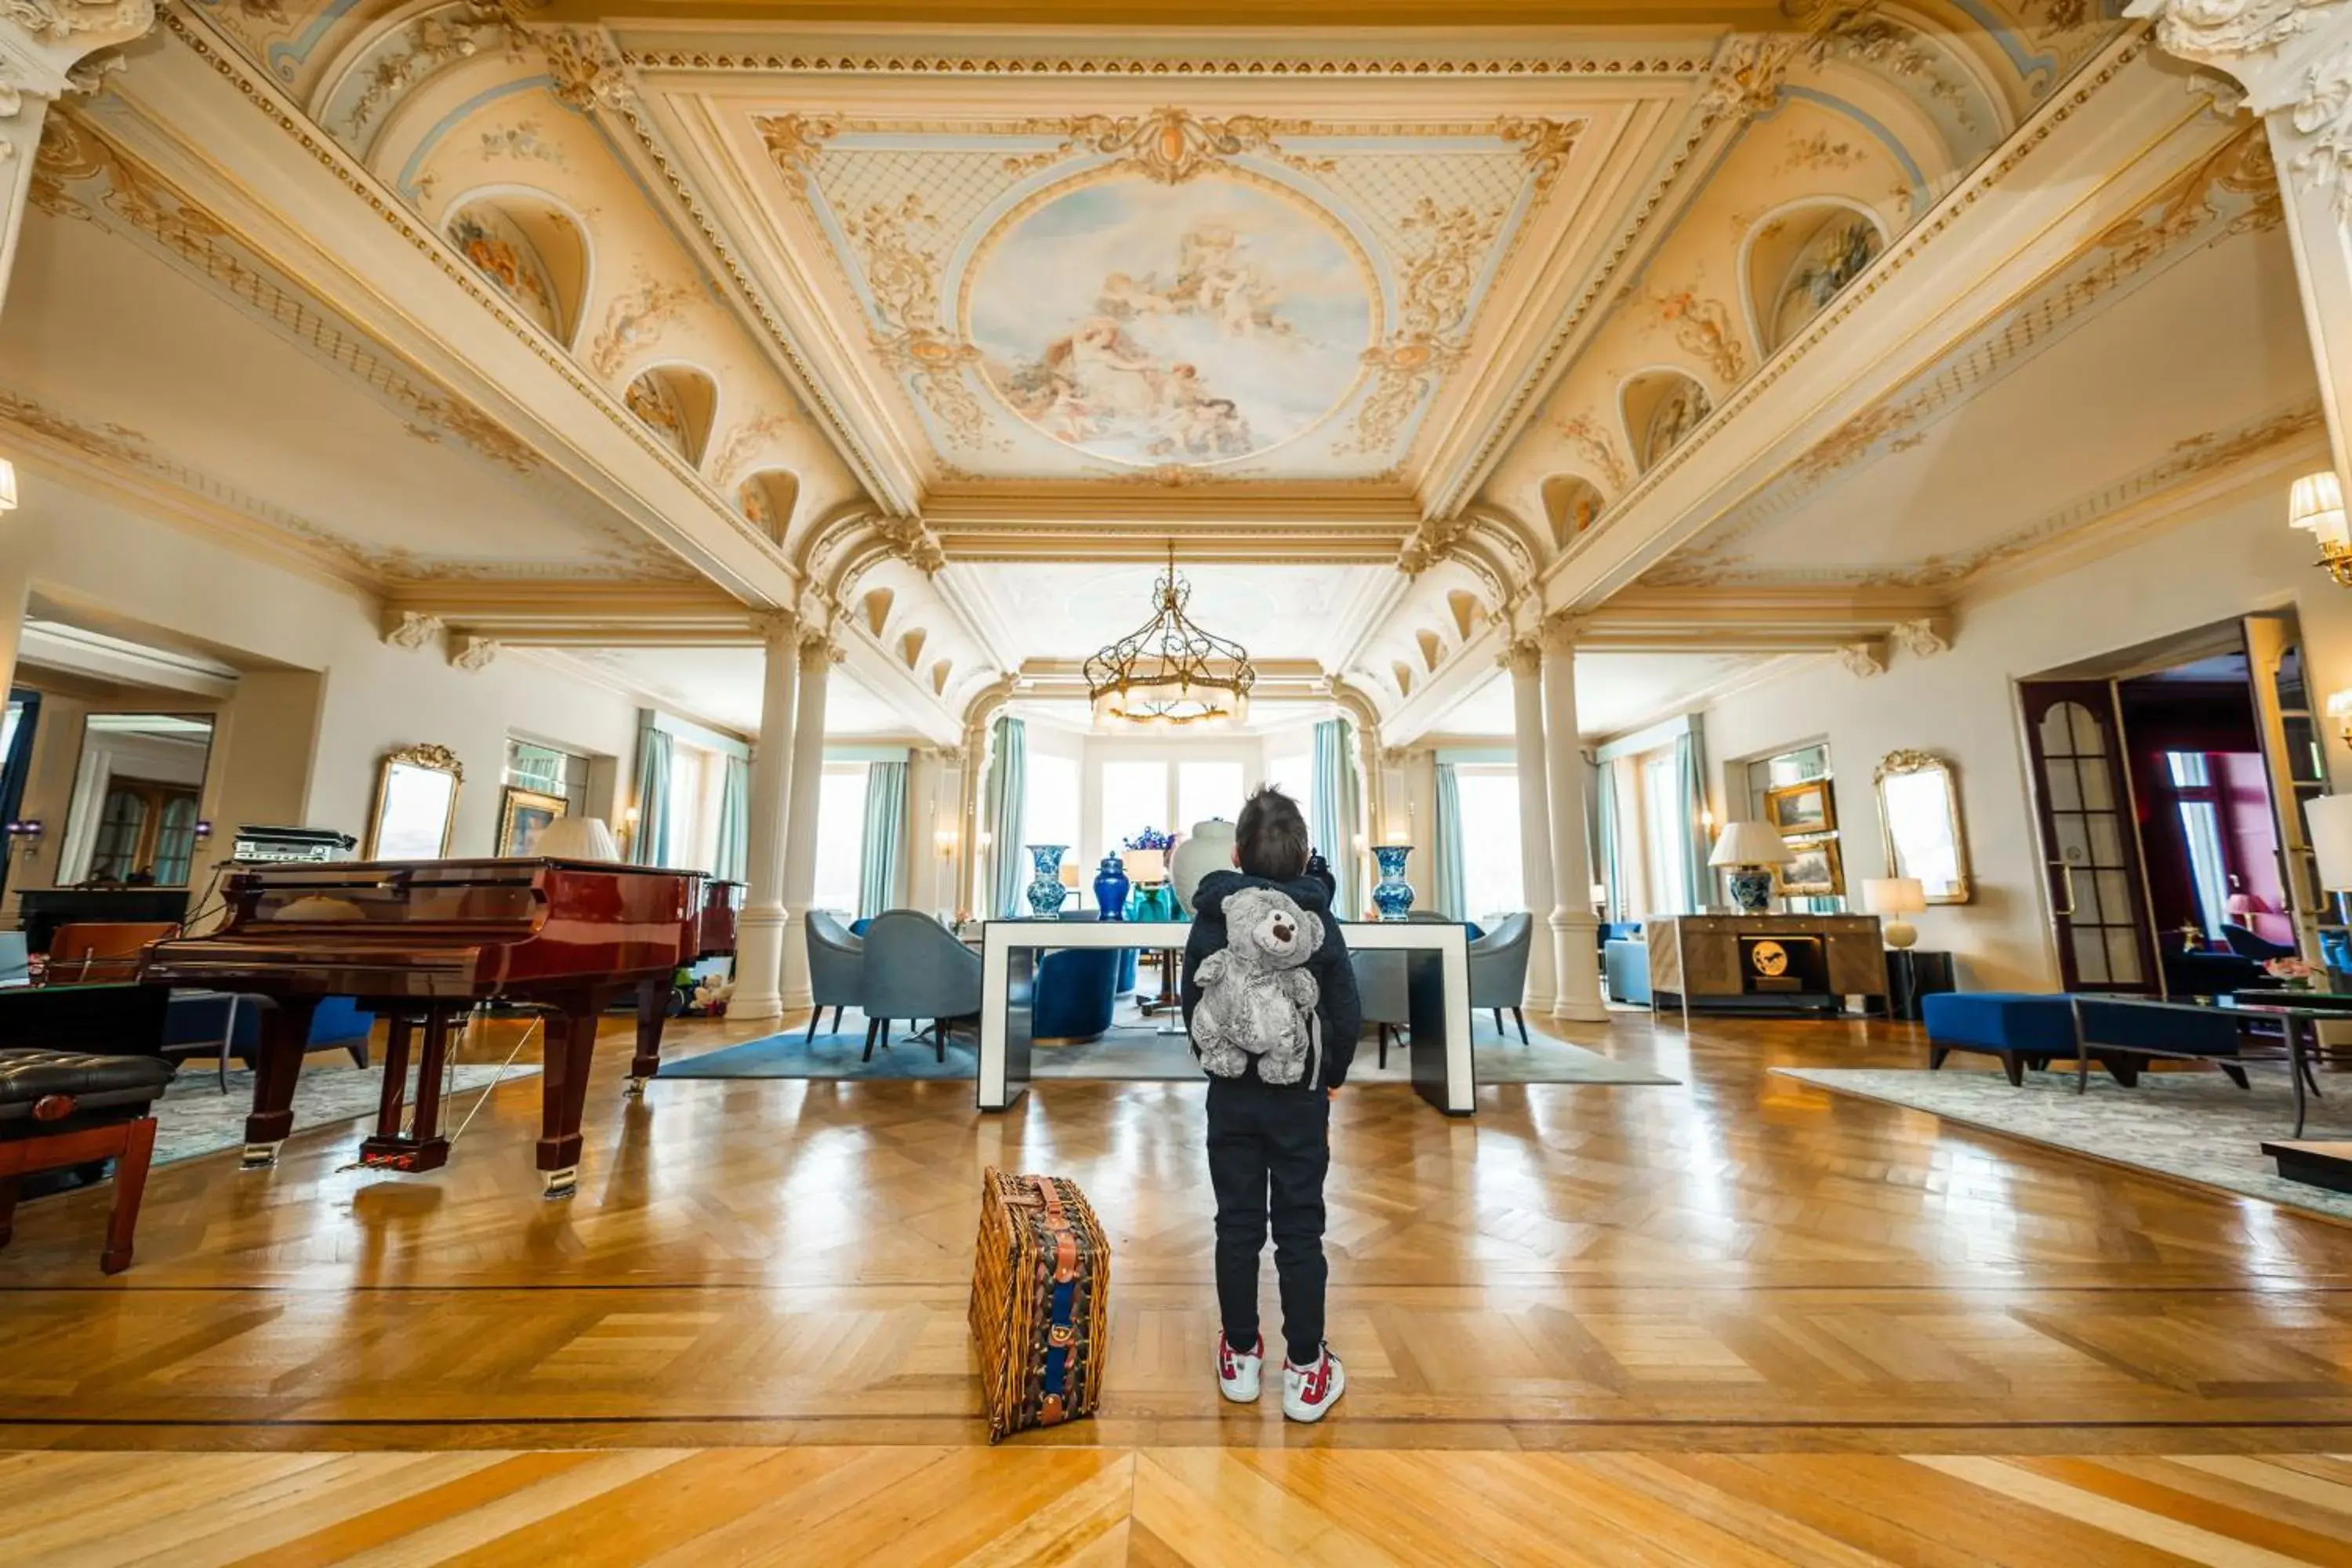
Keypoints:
(1919, 817)
(415, 805)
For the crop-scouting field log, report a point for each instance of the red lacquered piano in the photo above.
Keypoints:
(421, 943)
(722, 902)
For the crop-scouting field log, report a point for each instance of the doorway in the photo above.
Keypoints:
(2168, 781)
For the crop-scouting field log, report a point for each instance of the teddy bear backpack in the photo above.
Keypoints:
(1258, 1000)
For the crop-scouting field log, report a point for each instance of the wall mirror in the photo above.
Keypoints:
(132, 821)
(415, 805)
(1919, 815)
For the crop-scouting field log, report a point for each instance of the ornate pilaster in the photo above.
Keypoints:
(49, 48)
(1576, 951)
(759, 967)
(1524, 659)
(2293, 60)
(818, 655)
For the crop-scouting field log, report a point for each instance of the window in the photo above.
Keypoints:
(1293, 773)
(1134, 797)
(1205, 790)
(1492, 878)
(1049, 811)
(548, 771)
(840, 838)
(692, 809)
(1662, 843)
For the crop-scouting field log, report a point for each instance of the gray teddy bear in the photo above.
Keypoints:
(1255, 998)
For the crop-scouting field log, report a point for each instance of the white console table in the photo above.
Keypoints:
(1437, 986)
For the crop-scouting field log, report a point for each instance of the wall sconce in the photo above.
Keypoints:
(987, 839)
(204, 830)
(2339, 713)
(946, 839)
(8, 490)
(24, 837)
(2316, 505)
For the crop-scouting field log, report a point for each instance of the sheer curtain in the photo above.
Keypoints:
(1446, 871)
(1008, 787)
(651, 845)
(734, 820)
(1606, 869)
(886, 835)
(1331, 816)
(1698, 878)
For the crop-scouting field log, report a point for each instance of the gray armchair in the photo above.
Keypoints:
(915, 968)
(836, 961)
(1498, 969)
(1380, 987)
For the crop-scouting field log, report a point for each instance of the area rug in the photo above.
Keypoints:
(2194, 1125)
(1134, 1050)
(194, 1118)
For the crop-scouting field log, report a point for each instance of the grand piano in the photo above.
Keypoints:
(422, 941)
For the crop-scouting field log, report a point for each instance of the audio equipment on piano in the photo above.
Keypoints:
(278, 845)
(421, 943)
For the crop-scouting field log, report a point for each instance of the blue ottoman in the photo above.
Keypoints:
(2030, 1029)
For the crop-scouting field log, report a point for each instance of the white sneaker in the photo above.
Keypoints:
(1237, 1371)
(1309, 1392)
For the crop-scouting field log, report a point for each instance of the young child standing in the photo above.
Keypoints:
(1270, 1114)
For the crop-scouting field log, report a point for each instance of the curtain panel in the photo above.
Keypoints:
(1448, 894)
(1698, 878)
(1606, 868)
(886, 836)
(734, 820)
(1332, 814)
(1008, 788)
(650, 844)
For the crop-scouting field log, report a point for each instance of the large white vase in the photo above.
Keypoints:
(1208, 847)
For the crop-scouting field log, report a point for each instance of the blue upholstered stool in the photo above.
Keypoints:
(2031, 1029)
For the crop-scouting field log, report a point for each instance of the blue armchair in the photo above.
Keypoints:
(206, 1023)
(836, 961)
(1071, 1002)
(1625, 969)
(915, 968)
(1498, 969)
(1380, 987)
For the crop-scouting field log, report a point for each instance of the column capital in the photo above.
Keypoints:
(1558, 633)
(46, 44)
(2288, 61)
(773, 625)
(1523, 656)
(819, 652)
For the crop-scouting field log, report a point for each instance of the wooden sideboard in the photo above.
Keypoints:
(1800, 960)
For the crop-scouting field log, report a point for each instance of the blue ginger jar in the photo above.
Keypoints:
(1391, 895)
(1111, 889)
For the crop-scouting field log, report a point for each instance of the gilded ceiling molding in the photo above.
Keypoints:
(1865, 659)
(1747, 78)
(585, 71)
(472, 654)
(230, 66)
(1546, 143)
(1168, 145)
(411, 630)
(1591, 64)
(1925, 638)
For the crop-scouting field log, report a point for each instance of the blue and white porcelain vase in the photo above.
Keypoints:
(1111, 889)
(1751, 889)
(1391, 895)
(1045, 889)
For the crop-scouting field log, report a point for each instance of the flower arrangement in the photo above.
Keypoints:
(1150, 838)
(2294, 971)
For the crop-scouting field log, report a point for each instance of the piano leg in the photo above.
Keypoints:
(285, 1034)
(422, 1147)
(653, 1011)
(563, 1091)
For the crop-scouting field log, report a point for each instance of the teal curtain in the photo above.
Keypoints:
(1008, 789)
(1332, 816)
(886, 835)
(1446, 870)
(1606, 868)
(734, 820)
(651, 845)
(1698, 878)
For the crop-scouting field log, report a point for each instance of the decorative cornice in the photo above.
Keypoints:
(411, 630)
(1864, 660)
(472, 654)
(1488, 67)
(1923, 639)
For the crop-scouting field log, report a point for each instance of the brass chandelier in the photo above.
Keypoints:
(1170, 673)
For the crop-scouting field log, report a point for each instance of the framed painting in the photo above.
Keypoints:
(1796, 808)
(1815, 873)
(523, 815)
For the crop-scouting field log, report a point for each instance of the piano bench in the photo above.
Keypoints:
(59, 1108)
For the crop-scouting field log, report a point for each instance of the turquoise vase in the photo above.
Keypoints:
(1392, 895)
(1156, 902)
(1045, 889)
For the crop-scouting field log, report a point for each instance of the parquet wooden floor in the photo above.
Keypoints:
(1739, 1319)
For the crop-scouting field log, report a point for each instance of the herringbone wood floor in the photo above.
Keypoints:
(1735, 1320)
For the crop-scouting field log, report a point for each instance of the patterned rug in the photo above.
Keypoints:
(2195, 1125)
(1134, 1050)
(194, 1118)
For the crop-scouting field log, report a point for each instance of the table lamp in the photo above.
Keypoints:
(577, 838)
(1145, 868)
(1749, 850)
(1896, 896)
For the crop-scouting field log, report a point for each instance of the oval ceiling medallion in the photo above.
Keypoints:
(1149, 324)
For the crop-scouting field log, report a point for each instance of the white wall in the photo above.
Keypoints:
(2237, 556)
(369, 699)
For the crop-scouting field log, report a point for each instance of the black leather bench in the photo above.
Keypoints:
(59, 1108)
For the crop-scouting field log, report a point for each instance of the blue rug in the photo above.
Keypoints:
(1134, 1050)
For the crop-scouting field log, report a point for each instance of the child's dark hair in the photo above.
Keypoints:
(1272, 837)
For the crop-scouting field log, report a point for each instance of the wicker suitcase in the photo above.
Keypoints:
(1040, 1302)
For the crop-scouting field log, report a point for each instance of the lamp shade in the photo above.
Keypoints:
(577, 838)
(2317, 505)
(1750, 844)
(1145, 868)
(1894, 894)
(2330, 820)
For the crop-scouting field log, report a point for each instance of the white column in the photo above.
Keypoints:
(817, 657)
(760, 934)
(1575, 933)
(47, 50)
(2294, 62)
(1524, 659)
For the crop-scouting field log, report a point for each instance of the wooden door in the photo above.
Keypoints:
(2090, 851)
(2278, 684)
